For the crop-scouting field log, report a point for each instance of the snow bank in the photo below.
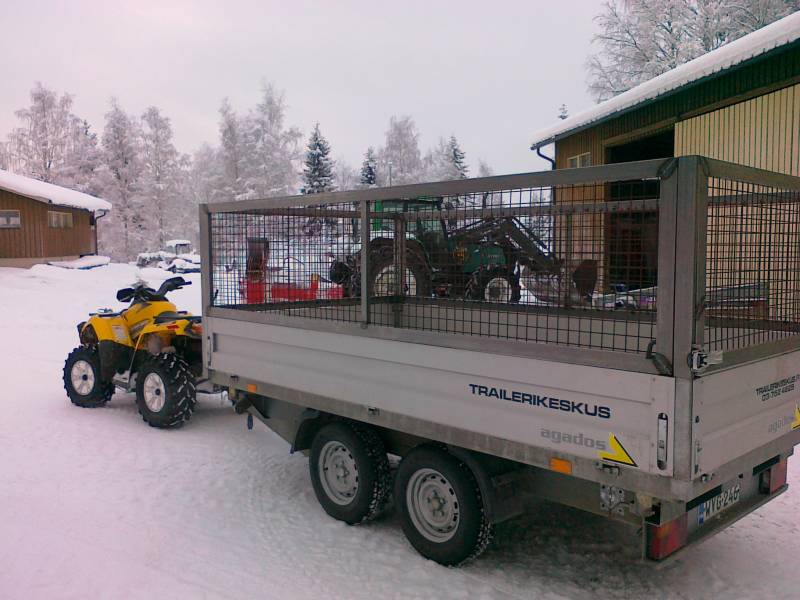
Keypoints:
(52, 194)
(767, 38)
(84, 262)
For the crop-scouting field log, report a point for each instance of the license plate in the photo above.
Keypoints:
(722, 501)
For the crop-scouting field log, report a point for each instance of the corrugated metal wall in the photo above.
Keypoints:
(35, 238)
(763, 132)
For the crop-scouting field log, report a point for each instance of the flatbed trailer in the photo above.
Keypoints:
(676, 416)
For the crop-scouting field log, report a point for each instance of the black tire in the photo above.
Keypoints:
(460, 531)
(382, 257)
(171, 391)
(477, 289)
(362, 492)
(96, 393)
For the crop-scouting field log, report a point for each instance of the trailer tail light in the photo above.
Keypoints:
(561, 465)
(663, 540)
(774, 478)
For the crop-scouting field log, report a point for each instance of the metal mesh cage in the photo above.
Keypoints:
(572, 265)
(752, 264)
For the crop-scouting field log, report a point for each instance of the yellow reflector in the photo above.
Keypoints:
(561, 465)
(251, 387)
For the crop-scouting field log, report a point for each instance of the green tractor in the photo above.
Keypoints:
(478, 259)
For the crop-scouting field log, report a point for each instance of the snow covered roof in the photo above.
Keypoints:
(177, 242)
(49, 193)
(779, 33)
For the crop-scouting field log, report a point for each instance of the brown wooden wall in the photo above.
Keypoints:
(35, 238)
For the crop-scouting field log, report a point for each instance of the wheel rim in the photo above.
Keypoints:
(82, 377)
(432, 505)
(338, 473)
(386, 282)
(154, 392)
(497, 290)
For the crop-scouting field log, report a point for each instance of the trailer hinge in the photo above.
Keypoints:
(700, 359)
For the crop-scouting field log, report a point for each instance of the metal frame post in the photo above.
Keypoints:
(365, 282)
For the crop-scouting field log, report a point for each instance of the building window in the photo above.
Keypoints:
(9, 219)
(581, 160)
(59, 220)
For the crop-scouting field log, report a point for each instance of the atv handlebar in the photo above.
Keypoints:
(142, 293)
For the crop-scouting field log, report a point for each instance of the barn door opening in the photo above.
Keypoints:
(632, 240)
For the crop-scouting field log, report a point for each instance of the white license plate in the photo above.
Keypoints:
(722, 501)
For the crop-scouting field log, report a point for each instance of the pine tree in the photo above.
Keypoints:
(368, 175)
(457, 157)
(318, 170)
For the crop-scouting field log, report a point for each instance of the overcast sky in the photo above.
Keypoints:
(491, 72)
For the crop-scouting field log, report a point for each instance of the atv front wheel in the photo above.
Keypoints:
(82, 378)
(165, 391)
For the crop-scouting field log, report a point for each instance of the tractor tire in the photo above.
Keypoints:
(165, 391)
(382, 273)
(349, 471)
(441, 507)
(82, 378)
(495, 285)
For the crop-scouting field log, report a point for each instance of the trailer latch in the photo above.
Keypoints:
(700, 359)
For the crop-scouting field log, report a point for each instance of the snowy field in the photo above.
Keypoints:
(95, 504)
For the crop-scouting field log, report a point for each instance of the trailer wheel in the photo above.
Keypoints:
(82, 378)
(165, 391)
(441, 507)
(349, 471)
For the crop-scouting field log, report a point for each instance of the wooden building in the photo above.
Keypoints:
(41, 222)
(739, 103)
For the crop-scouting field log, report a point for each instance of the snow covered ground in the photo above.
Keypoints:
(95, 504)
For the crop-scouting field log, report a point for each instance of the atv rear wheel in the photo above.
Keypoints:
(82, 378)
(165, 391)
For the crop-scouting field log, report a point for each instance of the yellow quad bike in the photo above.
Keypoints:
(149, 348)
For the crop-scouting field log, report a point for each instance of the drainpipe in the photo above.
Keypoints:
(97, 217)
(547, 158)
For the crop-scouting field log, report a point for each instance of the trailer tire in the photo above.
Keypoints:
(82, 378)
(165, 391)
(441, 507)
(349, 471)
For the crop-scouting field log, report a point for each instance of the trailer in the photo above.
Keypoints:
(674, 411)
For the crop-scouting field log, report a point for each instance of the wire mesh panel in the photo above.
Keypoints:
(571, 265)
(280, 260)
(752, 265)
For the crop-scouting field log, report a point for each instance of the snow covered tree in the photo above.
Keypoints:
(125, 229)
(368, 175)
(484, 170)
(162, 180)
(641, 39)
(445, 161)
(347, 177)
(39, 146)
(272, 150)
(52, 144)
(318, 165)
(401, 153)
(563, 113)
(231, 151)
